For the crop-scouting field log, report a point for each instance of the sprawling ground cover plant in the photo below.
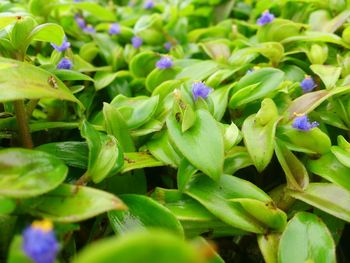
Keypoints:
(174, 131)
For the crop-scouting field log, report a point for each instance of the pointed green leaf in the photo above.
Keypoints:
(259, 134)
(331, 169)
(147, 247)
(296, 174)
(306, 239)
(202, 144)
(19, 80)
(26, 173)
(216, 197)
(70, 203)
(143, 213)
(105, 154)
(256, 85)
(327, 197)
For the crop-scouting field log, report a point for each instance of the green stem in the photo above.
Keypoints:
(22, 124)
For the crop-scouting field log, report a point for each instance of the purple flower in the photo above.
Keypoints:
(302, 123)
(136, 42)
(199, 89)
(65, 45)
(149, 4)
(167, 46)
(164, 63)
(40, 243)
(265, 18)
(80, 21)
(308, 84)
(114, 29)
(89, 29)
(65, 63)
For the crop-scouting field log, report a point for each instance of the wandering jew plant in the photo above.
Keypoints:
(174, 131)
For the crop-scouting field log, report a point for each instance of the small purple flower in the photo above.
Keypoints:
(89, 29)
(65, 63)
(114, 29)
(80, 21)
(302, 123)
(65, 45)
(40, 243)
(136, 42)
(199, 89)
(149, 4)
(308, 84)
(167, 46)
(164, 63)
(265, 18)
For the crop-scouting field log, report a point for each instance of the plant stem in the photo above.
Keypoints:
(22, 124)
(31, 107)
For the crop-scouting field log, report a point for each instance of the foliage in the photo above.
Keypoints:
(176, 131)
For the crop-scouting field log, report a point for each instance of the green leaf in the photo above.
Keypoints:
(202, 144)
(309, 101)
(306, 239)
(296, 174)
(184, 174)
(143, 63)
(236, 159)
(312, 141)
(147, 247)
(48, 32)
(220, 101)
(259, 134)
(194, 217)
(161, 148)
(70, 203)
(278, 30)
(139, 160)
(65, 74)
(20, 80)
(198, 70)
(268, 245)
(105, 154)
(116, 126)
(16, 254)
(19, 34)
(7, 205)
(327, 197)
(96, 10)
(136, 111)
(72, 153)
(26, 173)
(158, 76)
(328, 74)
(255, 85)
(329, 168)
(219, 199)
(7, 19)
(143, 213)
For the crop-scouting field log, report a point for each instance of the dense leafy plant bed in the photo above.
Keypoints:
(175, 131)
